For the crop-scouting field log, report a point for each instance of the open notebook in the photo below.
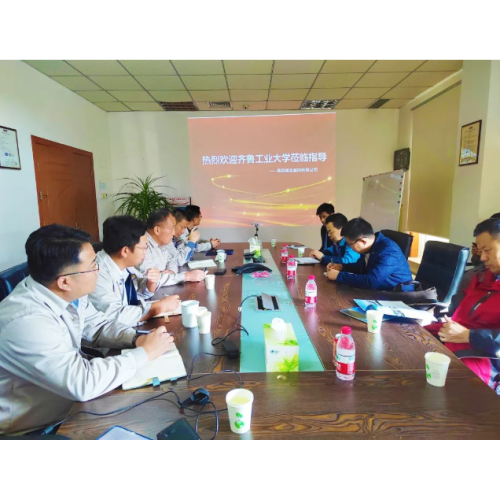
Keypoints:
(170, 313)
(201, 264)
(167, 367)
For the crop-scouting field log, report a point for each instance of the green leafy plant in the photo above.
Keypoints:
(139, 197)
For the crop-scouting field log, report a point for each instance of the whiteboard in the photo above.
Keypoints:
(381, 200)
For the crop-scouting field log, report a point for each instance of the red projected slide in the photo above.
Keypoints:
(274, 170)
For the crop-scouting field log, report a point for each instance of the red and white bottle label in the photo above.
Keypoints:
(345, 364)
(290, 273)
(311, 299)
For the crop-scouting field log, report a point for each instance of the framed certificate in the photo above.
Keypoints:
(9, 149)
(469, 143)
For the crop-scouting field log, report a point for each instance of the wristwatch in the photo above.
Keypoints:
(134, 339)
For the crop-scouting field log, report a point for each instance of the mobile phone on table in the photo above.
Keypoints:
(179, 430)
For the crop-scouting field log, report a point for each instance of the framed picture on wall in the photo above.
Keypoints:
(9, 149)
(469, 143)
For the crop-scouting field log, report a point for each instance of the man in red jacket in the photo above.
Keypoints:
(473, 331)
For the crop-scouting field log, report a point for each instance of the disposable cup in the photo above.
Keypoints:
(273, 243)
(436, 368)
(189, 309)
(301, 251)
(204, 322)
(210, 281)
(239, 408)
(221, 255)
(374, 320)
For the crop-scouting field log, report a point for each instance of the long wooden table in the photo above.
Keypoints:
(389, 397)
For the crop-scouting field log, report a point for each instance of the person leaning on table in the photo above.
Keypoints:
(43, 324)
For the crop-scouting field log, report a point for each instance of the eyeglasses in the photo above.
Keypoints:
(144, 249)
(83, 272)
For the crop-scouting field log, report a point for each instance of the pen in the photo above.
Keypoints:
(204, 269)
(144, 331)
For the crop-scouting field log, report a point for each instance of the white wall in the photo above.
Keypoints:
(157, 143)
(33, 104)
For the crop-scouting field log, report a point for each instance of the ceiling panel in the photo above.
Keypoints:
(404, 92)
(441, 66)
(149, 68)
(210, 95)
(199, 67)
(96, 96)
(346, 66)
(161, 82)
(131, 95)
(294, 67)
(381, 79)
(395, 103)
(249, 95)
(337, 80)
(300, 81)
(76, 82)
(53, 68)
(144, 106)
(365, 93)
(326, 94)
(354, 103)
(116, 82)
(247, 82)
(91, 68)
(288, 95)
(171, 95)
(395, 66)
(249, 106)
(216, 82)
(248, 67)
(284, 104)
(112, 106)
(428, 79)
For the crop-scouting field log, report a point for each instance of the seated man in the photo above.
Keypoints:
(160, 231)
(323, 211)
(475, 253)
(473, 332)
(194, 216)
(42, 325)
(178, 251)
(120, 293)
(339, 252)
(386, 266)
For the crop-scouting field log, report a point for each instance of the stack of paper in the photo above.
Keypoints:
(200, 264)
(306, 260)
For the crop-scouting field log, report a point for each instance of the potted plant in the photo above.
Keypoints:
(138, 197)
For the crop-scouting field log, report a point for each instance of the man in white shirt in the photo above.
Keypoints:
(43, 323)
(194, 216)
(161, 224)
(120, 292)
(180, 251)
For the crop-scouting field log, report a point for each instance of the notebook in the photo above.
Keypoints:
(200, 264)
(306, 260)
(170, 313)
(167, 367)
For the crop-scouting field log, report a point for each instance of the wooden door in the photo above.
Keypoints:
(65, 186)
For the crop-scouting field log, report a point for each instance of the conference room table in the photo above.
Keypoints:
(388, 399)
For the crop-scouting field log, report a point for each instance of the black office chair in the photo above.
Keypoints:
(11, 277)
(443, 266)
(403, 240)
(97, 246)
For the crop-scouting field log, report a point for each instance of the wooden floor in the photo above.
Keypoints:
(389, 398)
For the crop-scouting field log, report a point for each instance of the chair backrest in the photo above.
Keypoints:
(443, 266)
(403, 240)
(98, 246)
(10, 278)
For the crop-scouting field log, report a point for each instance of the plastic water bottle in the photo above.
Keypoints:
(346, 355)
(291, 267)
(311, 292)
(284, 254)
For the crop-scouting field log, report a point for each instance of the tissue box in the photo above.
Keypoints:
(281, 355)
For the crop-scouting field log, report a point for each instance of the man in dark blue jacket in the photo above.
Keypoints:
(323, 211)
(385, 268)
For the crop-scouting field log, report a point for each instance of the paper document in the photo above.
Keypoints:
(296, 247)
(306, 260)
(167, 367)
(396, 309)
(200, 264)
(118, 433)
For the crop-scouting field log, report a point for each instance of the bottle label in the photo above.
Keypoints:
(345, 364)
(290, 273)
(310, 298)
(284, 258)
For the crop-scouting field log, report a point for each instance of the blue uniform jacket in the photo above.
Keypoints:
(385, 269)
(340, 253)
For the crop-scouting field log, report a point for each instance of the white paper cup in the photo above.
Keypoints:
(239, 408)
(374, 320)
(273, 243)
(204, 321)
(436, 368)
(189, 309)
(210, 281)
(221, 256)
(301, 251)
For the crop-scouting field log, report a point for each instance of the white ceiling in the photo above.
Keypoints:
(251, 85)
